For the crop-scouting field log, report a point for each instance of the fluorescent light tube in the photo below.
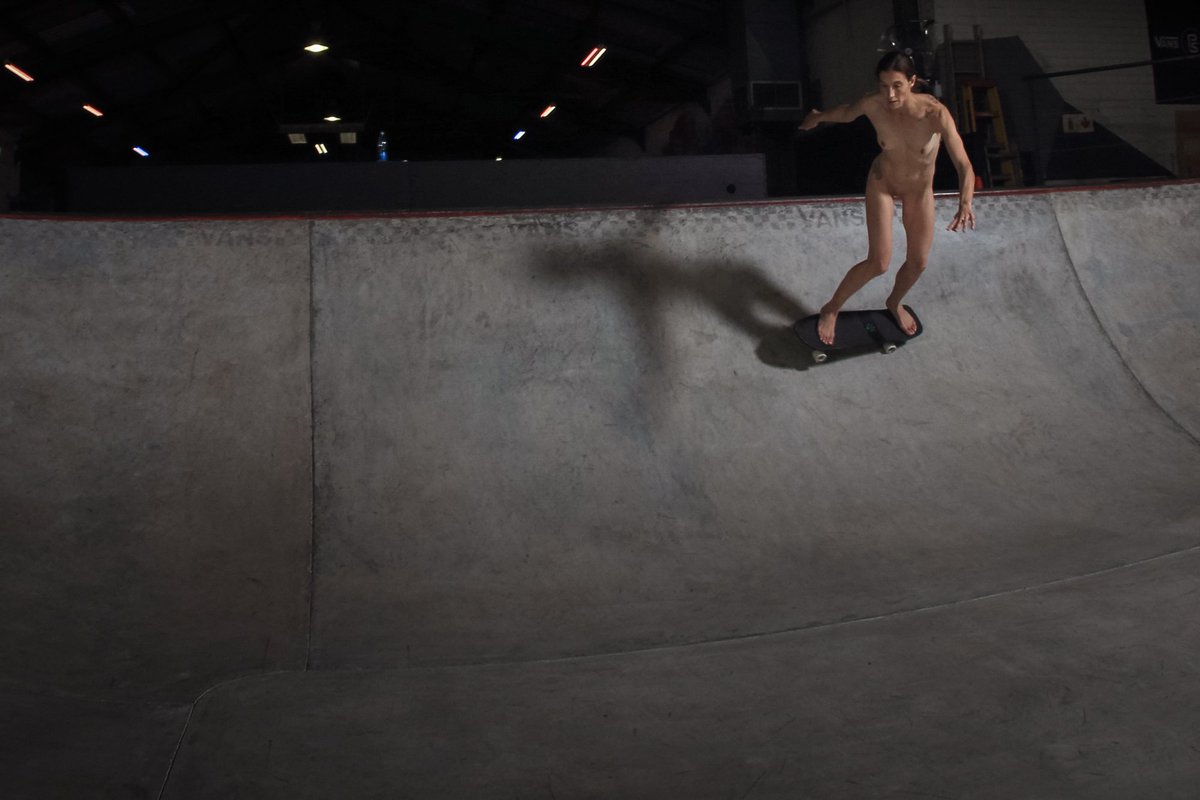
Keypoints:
(20, 73)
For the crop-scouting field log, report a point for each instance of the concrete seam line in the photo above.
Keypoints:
(857, 621)
(312, 446)
(1194, 549)
(1107, 336)
(178, 746)
(804, 629)
(187, 723)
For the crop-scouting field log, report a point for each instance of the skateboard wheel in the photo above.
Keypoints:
(819, 357)
(888, 348)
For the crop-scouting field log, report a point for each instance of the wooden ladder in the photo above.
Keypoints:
(975, 102)
(981, 113)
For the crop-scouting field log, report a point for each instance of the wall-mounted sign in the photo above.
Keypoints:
(1078, 123)
(1175, 33)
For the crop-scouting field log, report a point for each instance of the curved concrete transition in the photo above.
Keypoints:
(553, 505)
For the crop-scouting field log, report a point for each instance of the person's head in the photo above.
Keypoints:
(897, 77)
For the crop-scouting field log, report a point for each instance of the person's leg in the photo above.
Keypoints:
(919, 216)
(880, 207)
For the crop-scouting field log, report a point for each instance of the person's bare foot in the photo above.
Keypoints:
(904, 319)
(827, 325)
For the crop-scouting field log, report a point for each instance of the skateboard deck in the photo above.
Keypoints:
(856, 331)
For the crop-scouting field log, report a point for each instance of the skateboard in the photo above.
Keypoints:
(856, 330)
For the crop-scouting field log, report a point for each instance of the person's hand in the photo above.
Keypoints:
(811, 120)
(964, 219)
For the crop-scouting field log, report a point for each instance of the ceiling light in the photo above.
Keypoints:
(520, 135)
(316, 47)
(95, 112)
(594, 56)
(20, 73)
(322, 149)
(549, 110)
(297, 138)
(348, 137)
(141, 152)
(332, 118)
(499, 158)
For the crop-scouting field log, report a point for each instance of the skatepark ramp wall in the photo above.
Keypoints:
(292, 468)
(1136, 254)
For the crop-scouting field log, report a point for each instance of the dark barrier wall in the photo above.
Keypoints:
(450, 185)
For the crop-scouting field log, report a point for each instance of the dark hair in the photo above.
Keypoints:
(896, 61)
(900, 61)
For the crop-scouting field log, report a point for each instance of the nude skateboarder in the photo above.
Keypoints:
(910, 127)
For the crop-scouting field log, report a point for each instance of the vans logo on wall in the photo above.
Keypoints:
(1167, 42)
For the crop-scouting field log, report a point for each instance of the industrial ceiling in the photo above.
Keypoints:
(224, 81)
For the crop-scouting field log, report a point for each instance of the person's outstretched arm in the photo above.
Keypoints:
(842, 113)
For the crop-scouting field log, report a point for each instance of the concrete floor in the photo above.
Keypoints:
(552, 505)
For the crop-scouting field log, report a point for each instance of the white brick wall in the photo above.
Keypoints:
(1076, 34)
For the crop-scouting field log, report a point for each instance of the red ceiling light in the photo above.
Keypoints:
(95, 112)
(20, 73)
(594, 56)
(549, 110)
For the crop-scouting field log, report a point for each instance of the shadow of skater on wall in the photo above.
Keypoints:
(648, 282)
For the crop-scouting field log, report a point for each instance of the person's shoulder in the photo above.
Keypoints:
(868, 103)
(932, 106)
(935, 110)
